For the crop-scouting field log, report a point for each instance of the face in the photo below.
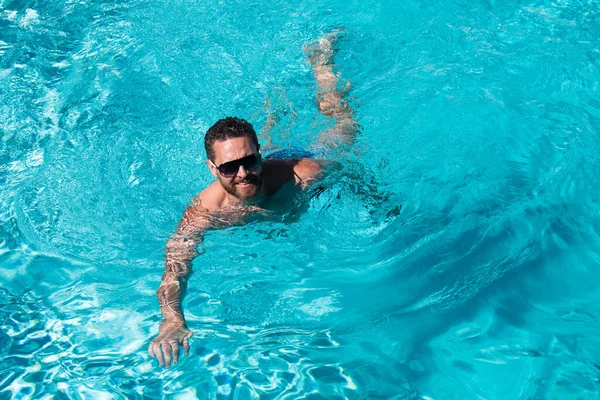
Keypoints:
(245, 185)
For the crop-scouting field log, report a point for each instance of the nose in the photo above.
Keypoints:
(242, 172)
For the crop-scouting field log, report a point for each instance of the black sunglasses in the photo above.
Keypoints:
(230, 169)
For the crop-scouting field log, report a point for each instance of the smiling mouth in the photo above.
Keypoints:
(246, 184)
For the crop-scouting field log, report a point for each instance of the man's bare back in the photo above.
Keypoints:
(244, 182)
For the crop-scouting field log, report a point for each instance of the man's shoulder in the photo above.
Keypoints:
(307, 168)
(197, 215)
(211, 198)
(300, 170)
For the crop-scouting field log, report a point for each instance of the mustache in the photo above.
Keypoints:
(254, 180)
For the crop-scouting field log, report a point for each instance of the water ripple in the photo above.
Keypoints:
(453, 254)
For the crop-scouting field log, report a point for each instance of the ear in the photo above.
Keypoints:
(213, 169)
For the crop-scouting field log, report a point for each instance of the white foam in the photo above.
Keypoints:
(10, 15)
(320, 307)
(62, 64)
(31, 17)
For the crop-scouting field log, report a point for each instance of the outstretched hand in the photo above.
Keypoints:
(165, 347)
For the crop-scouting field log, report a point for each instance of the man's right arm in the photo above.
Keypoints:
(180, 251)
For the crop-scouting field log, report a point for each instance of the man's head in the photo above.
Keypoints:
(230, 145)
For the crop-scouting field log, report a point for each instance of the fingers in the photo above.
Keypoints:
(186, 346)
(167, 352)
(166, 348)
(175, 348)
(151, 349)
(159, 354)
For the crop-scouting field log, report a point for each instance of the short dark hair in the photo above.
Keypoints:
(228, 128)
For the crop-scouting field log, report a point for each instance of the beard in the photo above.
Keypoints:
(244, 193)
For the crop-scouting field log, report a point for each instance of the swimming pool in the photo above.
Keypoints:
(454, 256)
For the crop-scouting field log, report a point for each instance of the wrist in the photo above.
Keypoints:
(170, 325)
(174, 321)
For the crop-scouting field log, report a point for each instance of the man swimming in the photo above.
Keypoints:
(243, 181)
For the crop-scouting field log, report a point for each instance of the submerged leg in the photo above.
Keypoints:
(331, 99)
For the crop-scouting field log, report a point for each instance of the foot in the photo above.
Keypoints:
(321, 52)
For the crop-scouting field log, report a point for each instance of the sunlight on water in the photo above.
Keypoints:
(453, 255)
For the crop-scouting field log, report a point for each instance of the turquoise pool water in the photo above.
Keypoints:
(455, 256)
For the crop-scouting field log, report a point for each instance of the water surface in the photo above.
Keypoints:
(455, 255)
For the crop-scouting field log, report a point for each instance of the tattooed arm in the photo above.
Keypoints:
(180, 249)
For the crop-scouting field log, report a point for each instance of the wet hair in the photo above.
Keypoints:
(228, 128)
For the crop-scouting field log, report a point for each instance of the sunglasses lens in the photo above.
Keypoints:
(230, 169)
(252, 162)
